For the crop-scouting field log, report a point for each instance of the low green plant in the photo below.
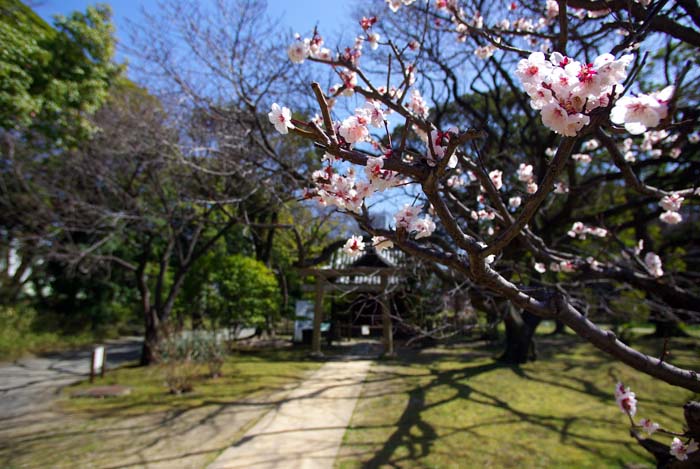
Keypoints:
(19, 334)
(183, 357)
(208, 350)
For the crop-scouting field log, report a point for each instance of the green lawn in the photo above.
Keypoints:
(458, 407)
(150, 427)
(242, 375)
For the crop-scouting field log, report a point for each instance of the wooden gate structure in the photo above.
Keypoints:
(355, 278)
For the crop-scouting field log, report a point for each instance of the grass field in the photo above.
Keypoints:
(458, 407)
(150, 427)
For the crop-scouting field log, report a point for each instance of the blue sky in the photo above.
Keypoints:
(296, 16)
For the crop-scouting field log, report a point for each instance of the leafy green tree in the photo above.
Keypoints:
(243, 292)
(53, 78)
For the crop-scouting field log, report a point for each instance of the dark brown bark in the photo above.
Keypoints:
(520, 330)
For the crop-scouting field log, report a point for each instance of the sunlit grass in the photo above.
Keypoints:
(151, 426)
(242, 375)
(458, 407)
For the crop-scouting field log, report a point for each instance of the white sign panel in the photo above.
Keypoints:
(98, 359)
(304, 318)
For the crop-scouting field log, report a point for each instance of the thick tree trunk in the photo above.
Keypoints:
(520, 329)
(149, 352)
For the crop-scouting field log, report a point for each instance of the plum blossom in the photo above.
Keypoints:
(670, 217)
(540, 267)
(580, 230)
(373, 112)
(354, 129)
(379, 178)
(341, 191)
(566, 266)
(625, 399)
(496, 177)
(423, 227)
(394, 5)
(534, 69)
(349, 81)
(366, 23)
(591, 145)
(374, 166)
(653, 264)
(672, 202)
(405, 216)
(648, 426)
(642, 111)
(440, 141)
(559, 120)
(354, 246)
(323, 54)
(514, 202)
(373, 39)
(418, 105)
(299, 50)
(560, 188)
(552, 9)
(281, 118)
(484, 52)
(524, 172)
(381, 243)
(583, 158)
(564, 90)
(681, 450)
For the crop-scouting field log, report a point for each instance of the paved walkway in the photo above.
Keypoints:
(29, 384)
(306, 429)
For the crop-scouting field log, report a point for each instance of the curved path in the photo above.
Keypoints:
(306, 429)
(29, 384)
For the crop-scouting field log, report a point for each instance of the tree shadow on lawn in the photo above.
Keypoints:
(416, 432)
(176, 416)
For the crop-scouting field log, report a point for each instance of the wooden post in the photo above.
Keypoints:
(386, 319)
(318, 317)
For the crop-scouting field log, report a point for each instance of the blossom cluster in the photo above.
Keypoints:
(671, 204)
(565, 90)
(580, 230)
(525, 174)
(627, 401)
(355, 128)
(637, 113)
(304, 48)
(651, 145)
(345, 191)
(355, 245)
(408, 219)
